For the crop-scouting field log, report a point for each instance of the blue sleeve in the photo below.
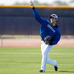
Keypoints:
(57, 38)
(38, 18)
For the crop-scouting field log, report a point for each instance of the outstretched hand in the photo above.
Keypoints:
(32, 5)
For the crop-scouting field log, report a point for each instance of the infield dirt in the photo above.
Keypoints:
(33, 42)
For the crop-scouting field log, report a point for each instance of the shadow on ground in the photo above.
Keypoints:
(67, 71)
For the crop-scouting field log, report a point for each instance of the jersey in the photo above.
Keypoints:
(48, 29)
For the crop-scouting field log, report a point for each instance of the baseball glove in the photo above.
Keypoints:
(48, 39)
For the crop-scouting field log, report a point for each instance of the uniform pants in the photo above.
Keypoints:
(45, 58)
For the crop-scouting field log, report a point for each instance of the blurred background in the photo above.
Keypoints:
(38, 2)
(18, 27)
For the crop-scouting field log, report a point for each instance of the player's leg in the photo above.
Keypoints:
(42, 45)
(42, 48)
(54, 63)
(45, 51)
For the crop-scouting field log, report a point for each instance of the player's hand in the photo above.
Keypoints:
(32, 5)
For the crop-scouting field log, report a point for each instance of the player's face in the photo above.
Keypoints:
(53, 20)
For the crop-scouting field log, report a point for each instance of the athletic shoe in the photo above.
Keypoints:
(41, 71)
(56, 68)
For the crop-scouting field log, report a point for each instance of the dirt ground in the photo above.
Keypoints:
(33, 42)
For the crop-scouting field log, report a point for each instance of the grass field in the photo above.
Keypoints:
(28, 60)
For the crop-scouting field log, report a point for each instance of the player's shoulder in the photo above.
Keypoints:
(45, 20)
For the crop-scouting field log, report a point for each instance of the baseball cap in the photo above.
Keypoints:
(53, 16)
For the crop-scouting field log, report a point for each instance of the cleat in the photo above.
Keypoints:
(41, 71)
(56, 68)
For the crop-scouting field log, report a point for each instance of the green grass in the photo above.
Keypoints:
(28, 60)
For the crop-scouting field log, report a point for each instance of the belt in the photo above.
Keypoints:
(44, 41)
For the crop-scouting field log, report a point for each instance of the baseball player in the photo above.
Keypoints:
(50, 35)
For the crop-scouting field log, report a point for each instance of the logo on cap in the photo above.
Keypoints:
(54, 16)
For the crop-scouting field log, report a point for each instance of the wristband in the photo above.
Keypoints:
(33, 7)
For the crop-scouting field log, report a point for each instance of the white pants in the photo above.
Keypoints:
(45, 58)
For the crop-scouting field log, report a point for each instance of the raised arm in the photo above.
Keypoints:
(38, 18)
